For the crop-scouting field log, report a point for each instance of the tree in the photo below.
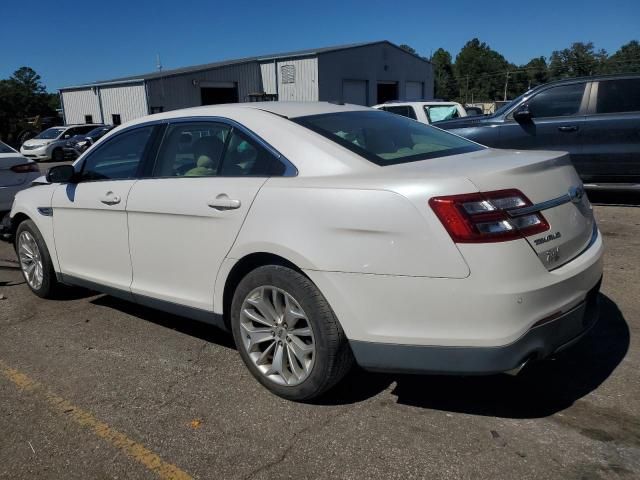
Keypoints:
(481, 72)
(581, 59)
(21, 96)
(444, 79)
(626, 59)
(407, 48)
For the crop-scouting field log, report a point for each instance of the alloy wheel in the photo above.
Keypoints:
(277, 335)
(30, 260)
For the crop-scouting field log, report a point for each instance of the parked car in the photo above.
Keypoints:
(324, 234)
(425, 112)
(595, 119)
(79, 143)
(49, 144)
(16, 173)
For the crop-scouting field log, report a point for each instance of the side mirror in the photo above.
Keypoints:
(522, 114)
(61, 174)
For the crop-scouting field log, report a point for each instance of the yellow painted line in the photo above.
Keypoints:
(131, 448)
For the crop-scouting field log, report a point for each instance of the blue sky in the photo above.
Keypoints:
(73, 42)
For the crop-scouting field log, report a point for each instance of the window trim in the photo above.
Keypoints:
(146, 174)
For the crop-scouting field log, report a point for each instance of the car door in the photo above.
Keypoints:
(612, 132)
(184, 218)
(89, 217)
(556, 118)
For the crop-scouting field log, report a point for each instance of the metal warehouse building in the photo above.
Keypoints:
(364, 74)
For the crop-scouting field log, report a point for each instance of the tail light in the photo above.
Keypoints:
(25, 168)
(488, 216)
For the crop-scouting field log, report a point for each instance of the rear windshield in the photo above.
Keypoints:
(386, 139)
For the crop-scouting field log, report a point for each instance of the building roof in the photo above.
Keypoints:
(226, 63)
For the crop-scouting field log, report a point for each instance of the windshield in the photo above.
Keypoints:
(386, 139)
(6, 148)
(50, 133)
(437, 113)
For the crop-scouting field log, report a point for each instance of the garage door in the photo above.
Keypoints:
(354, 91)
(413, 91)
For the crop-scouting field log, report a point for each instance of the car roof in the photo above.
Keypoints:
(282, 109)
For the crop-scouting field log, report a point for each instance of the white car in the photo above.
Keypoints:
(425, 112)
(50, 143)
(16, 173)
(320, 234)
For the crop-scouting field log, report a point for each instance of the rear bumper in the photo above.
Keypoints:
(537, 343)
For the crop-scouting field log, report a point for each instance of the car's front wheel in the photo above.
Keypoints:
(35, 261)
(57, 155)
(287, 334)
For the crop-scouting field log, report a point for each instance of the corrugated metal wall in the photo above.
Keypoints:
(128, 101)
(304, 88)
(268, 71)
(179, 91)
(78, 103)
(373, 64)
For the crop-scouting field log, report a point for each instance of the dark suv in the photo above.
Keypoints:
(595, 119)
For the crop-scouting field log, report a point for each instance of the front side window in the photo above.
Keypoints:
(119, 157)
(437, 113)
(618, 96)
(561, 101)
(386, 139)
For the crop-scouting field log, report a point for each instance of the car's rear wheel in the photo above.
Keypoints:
(287, 334)
(35, 261)
(57, 155)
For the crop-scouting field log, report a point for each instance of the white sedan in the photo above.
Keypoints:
(16, 173)
(324, 234)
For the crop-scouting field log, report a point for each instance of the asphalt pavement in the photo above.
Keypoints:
(94, 387)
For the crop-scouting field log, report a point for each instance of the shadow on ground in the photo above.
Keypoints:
(622, 199)
(184, 325)
(541, 389)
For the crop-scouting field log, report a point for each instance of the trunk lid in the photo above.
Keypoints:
(548, 179)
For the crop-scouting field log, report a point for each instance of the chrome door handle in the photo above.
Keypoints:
(110, 199)
(568, 128)
(223, 202)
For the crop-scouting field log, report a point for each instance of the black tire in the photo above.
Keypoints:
(50, 287)
(57, 155)
(332, 358)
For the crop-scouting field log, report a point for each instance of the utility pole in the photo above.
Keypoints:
(466, 92)
(158, 64)
(506, 83)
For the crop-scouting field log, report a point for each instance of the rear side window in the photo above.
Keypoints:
(6, 149)
(386, 139)
(617, 96)
(191, 150)
(404, 110)
(561, 101)
(209, 149)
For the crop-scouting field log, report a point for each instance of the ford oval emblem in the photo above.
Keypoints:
(576, 194)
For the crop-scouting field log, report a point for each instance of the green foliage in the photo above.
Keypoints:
(21, 96)
(409, 49)
(481, 73)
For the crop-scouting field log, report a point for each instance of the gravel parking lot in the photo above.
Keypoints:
(94, 387)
